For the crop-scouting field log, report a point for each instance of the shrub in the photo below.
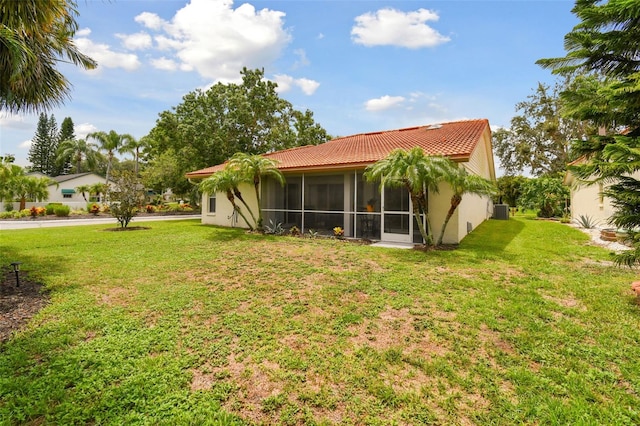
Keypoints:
(294, 231)
(62, 211)
(150, 208)
(8, 207)
(93, 208)
(586, 222)
(274, 228)
(37, 211)
(51, 208)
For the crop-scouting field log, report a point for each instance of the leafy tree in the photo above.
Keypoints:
(548, 195)
(417, 173)
(43, 151)
(126, 196)
(208, 127)
(164, 172)
(227, 181)
(461, 182)
(252, 168)
(538, 139)
(35, 36)
(79, 151)
(510, 189)
(111, 143)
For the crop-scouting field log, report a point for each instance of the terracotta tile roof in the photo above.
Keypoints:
(456, 140)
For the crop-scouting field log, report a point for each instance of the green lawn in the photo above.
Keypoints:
(525, 323)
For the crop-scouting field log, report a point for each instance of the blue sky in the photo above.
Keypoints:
(360, 66)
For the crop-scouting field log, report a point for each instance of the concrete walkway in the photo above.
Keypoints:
(51, 223)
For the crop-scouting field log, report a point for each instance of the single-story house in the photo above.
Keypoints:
(63, 189)
(325, 187)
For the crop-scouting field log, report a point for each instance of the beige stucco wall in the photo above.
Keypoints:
(224, 208)
(55, 192)
(587, 201)
(474, 209)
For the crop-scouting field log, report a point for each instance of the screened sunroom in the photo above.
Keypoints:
(322, 202)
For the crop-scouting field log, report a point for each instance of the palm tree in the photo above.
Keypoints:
(461, 183)
(78, 150)
(8, 174)
(31, 188)
(34, 37)
(417, 173)
(99, 188)
(134, 146)
(83, 189)
(225, 181)
(110, 143)
(251, 168)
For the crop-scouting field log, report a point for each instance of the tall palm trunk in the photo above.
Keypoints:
(78, 163)
(426, 236)
(239, 196)
(455, 202)
(237, 209)
(256, 185)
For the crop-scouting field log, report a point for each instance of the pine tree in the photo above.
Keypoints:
(42, 153)
(67, 132)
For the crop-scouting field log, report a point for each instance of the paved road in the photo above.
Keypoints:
(50, 223)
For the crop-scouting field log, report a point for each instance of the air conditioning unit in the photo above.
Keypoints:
(501, 211)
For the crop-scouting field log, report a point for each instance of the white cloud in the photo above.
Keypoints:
(217, 40)
(150, 20)
(164, 64)
(84, 32)
(13, 121)
(307, 86)
(105, 57)
(383, 103)
(25, 144)
(286, 82)
(391, 27)
(302, 61)
(137, 41)
(82, 130)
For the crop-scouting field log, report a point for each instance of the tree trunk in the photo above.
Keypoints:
(455, 202)
(23, 203)
(416, 212)
(237, 209)
(239, 196)
(256, 185)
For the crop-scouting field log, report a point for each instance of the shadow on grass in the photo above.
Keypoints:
(225, 234)
(493, 236)
(36, 266)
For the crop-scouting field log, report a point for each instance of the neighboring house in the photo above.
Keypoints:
(63, 189)
(588, 200)
(325, 187)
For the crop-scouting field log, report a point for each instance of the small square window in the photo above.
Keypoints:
(67, 195)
